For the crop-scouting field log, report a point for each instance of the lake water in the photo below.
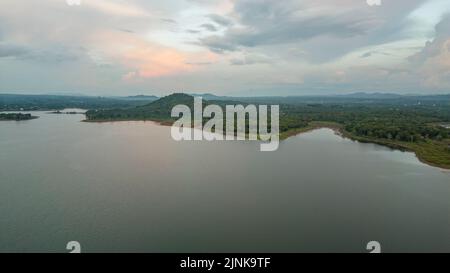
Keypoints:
(127, 186)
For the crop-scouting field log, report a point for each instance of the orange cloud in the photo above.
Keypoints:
(116, 8)
(142, 58)
(149, 61)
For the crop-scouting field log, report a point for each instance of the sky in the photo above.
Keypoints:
(225, 47)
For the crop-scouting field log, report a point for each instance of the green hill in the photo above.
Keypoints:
(414, 127)
(158, 110)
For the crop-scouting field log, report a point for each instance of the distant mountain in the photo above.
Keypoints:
(142, 97)
(354, 98)
(363, 95)
(165, 104)
(13, 102)
(159, 110)
(209, 96)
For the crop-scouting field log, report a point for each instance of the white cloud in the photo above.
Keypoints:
(291, 46)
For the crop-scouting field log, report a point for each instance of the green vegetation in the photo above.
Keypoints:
(406, 124)
(410, 127)
(10, 102)
(16, 116)
(435, 153)
(159, 110)
(413, 123)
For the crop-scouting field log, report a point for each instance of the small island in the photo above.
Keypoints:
(58, 112)
(16, 116)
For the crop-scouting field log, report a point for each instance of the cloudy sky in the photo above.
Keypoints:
(228, 47)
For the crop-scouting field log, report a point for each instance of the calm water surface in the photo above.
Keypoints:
(127, 186)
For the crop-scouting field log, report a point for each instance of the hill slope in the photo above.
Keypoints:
(158, 110)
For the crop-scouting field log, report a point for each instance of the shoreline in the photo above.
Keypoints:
(337, 128)
(159, 122)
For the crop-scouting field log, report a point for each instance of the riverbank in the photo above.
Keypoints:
(429, 152)
(433, 153)
(160, 122)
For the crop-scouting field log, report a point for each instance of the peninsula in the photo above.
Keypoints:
(400, 124)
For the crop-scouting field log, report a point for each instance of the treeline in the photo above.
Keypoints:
(402, 123)
(16, 116)
(9, 102)
(381, 120)
(396, 130)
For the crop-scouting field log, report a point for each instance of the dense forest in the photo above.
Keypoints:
(403, 123)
